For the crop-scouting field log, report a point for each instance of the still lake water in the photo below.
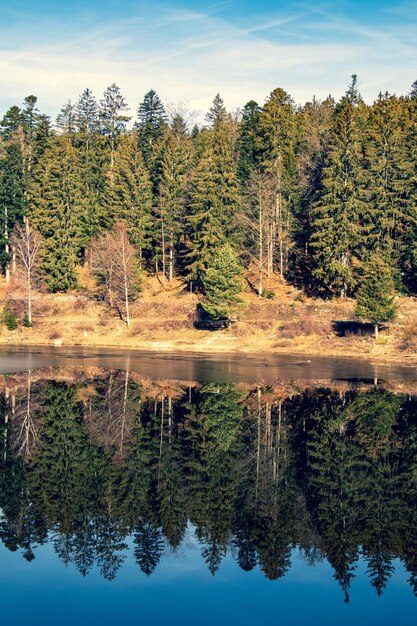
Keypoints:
(193, 490)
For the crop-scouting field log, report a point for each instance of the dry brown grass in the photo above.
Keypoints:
(407, 339)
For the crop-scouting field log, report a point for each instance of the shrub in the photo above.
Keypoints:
(9, 319)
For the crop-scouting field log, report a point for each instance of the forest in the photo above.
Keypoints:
(107, 467)
(323, 195)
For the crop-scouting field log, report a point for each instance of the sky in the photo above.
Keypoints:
(188, 51)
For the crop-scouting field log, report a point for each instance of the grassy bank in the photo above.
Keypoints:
(163, 319)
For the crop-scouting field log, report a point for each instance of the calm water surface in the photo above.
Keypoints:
(206, 490)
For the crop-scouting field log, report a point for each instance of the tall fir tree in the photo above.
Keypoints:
(129, 194)
(57, 208)
(151, 123)
(375, 297)
(113, 118)
(336, 237)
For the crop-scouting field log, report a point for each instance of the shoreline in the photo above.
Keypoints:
(219, 347)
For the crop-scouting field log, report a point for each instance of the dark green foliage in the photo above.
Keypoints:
(375, 299)
(305, 192)
(11, 195)
(151, 123)
(336, 236)
(248, 150)
(58, 209)
(128, 194)
(102, 464)
(9, 319)
(222, 284)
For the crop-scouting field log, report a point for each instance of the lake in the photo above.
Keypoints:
(194, 489)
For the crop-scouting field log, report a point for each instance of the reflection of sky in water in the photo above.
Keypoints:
(182, 591)
(329, 469)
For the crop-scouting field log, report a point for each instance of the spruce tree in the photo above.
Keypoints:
(217, 113)
(389, 213)
(11, 197)
(151, 123)
(214, 202)
(57, 209)
(172, 182)
(222, 284)
(375, 301)
(86, 114)
(247, 148)
(129, 193)
(276, 141)
(112, 115)
(66, 119)
(336, 237)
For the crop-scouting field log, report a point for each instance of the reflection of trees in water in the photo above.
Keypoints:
(88, 466)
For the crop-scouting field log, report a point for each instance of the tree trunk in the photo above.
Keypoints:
(261, 247)
(6, 242)
(29, 286)
(163, 246)
(376, 331)
(171, 257)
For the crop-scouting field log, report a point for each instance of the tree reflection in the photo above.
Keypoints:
(101, 464)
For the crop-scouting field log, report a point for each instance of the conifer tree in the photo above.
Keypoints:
(276, 145)
(222, 284)
(375, 301)
(113, 107)
(213, 203)
(389, 212)
(151, 123)
(66, 119)
(11, 122)
(129, 193)
(86, 114)
(217, 113)
(11, 198)
(174, 167)
(336, 216)
(57, 209)
(247, 145)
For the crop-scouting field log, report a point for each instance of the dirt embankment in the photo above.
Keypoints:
(162, 319)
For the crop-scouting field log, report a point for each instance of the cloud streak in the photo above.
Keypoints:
(193, 54)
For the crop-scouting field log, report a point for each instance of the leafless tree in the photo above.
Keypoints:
(27, 243)
(115, 262)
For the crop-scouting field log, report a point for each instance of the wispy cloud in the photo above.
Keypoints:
(192, 54)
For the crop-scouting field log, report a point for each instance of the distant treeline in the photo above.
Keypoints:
(308, 192)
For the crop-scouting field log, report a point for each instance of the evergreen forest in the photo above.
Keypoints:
(323, 194)
(107, 467)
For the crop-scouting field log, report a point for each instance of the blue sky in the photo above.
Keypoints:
(190, 50)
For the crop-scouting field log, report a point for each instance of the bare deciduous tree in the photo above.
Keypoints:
(116, 263)
(27, 244)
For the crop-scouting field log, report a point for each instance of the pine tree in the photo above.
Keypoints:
(66, 120)
(129, 193)
(11, 122)
(173, 171)
(336, 216)
(112, 116)
(247, 148)
(222, 284)
(11, 197)
(276, 145)
(214, 201)
(86, 114)
(151, 123)
(57, 209)
(390, 211)
(375, 301)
